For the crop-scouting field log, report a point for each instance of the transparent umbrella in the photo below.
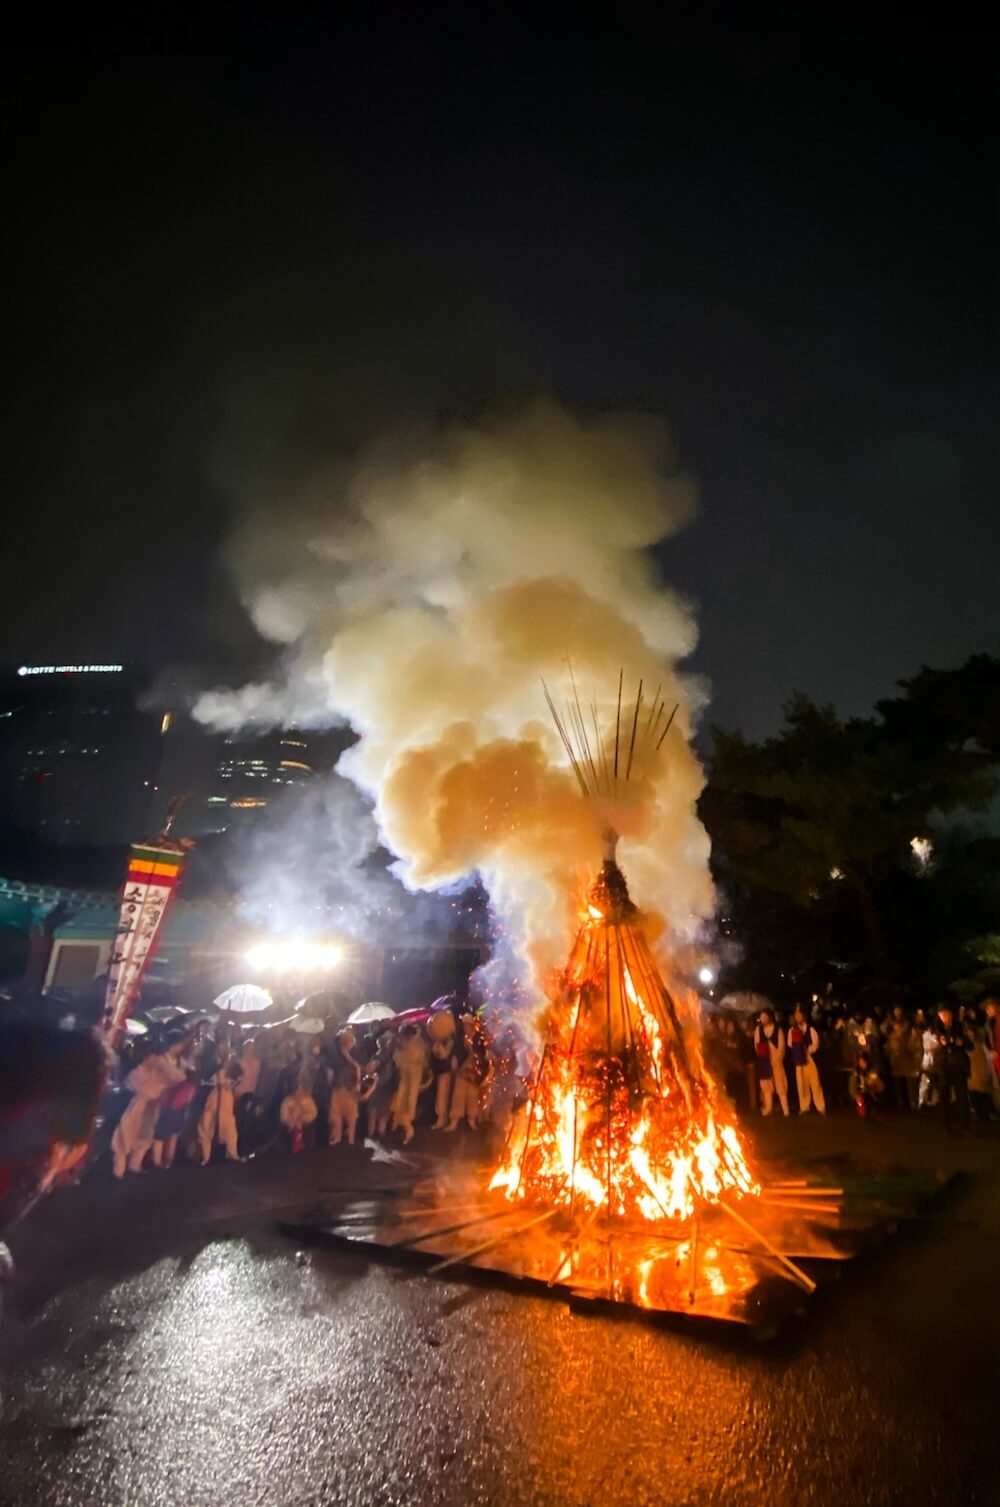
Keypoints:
(745, 1004)
(373, 1010)
(306, 1025)
(244, 999)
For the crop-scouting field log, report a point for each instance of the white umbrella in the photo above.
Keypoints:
(306, 1025)
(244, 999)
(373, 1010)
(745, 1004)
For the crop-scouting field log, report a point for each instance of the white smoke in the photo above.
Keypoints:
(423, 591)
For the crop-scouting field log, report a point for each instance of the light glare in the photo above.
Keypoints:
(295, 956)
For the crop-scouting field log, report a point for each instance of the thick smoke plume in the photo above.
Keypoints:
(424, 591)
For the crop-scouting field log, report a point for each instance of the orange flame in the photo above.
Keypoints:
(635, 1130)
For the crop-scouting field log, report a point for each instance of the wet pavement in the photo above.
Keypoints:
(170, 1346)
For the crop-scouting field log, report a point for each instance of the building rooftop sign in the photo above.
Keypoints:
(70, 669)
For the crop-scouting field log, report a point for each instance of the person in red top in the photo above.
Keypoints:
(803, 1044)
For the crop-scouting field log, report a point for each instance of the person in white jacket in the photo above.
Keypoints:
(218, 1116)
(411, 1059)
(135, 1130)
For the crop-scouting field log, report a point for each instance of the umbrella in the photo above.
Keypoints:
(745, 1004)
(324, 1002)
(414, 1017)
(165, 1012)
(306, 1025)
(244, 999)
(373, 1010)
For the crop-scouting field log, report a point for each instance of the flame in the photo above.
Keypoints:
(634, 1128)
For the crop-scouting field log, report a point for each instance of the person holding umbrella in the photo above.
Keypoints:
(346, 1086)
(218, 1117)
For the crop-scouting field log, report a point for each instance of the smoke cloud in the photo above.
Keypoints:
(423, 591)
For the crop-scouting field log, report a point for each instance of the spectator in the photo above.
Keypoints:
(803, 1042)
(769, 1051)
(297, 1114)
(869, 1085)
(904, 1051)
(991, 1031)
(470, 1076)
(749, 1059)
(217, 1121)
(951, 1063)
(345, 1077)
(410, 1058)
(980, 1095)
(135, 1130)
(443, 1063)
(172, 1119)
(929, 1088)
(382, 1071)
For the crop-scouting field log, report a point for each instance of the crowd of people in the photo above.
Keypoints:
(197, 1090)
(222, 1088)
(871, 1059)
(235, 1091)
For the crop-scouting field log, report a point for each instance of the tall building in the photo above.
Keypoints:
(252, 771)
(78, 754)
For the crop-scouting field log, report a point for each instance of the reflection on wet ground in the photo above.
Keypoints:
(200, 1358)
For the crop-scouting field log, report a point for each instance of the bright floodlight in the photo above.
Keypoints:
(295, 956)
(706, 975)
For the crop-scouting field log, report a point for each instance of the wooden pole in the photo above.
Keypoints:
(487, 1245)
(618, 726)
(796, 1271)
(635, 724)
(451, 1229)
(531, 1117)
(670, 722)
(693, 1288)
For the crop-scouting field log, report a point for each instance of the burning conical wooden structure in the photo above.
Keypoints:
(622, 1119)
(623, 1179)
(621, 1116)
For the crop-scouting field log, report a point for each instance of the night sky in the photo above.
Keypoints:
(239, 243)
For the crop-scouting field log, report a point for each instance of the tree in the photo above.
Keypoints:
(829, 808)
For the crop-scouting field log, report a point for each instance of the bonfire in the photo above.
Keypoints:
(624, 1179)
(622, 1119)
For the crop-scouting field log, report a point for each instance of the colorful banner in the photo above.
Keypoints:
(154, 872)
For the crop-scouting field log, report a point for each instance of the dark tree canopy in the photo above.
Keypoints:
(822, 817)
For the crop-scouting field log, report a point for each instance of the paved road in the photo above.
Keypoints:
(171, 1347)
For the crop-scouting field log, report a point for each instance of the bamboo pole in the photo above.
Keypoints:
(635, 723)
(451, 1229)
(796, 1271)
(782, 1190)
(607, 1065)
(566, 741)
(531, 1117)
(670, 723)
(618, 726)
(801, 1208)
(487, 1245)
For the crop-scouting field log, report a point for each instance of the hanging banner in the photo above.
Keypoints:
(154, 872)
